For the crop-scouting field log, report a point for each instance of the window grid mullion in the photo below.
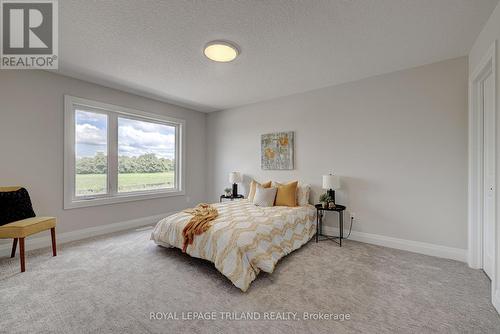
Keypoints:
(113, 154)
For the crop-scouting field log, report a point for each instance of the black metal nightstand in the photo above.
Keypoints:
(320, 211)
(230, 197)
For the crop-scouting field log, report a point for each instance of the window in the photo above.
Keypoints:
(91, 153)
(146, 155)
(115, 154)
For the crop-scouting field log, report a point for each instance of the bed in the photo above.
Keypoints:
(244, 239)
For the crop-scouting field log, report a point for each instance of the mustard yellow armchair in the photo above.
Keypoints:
(20, 229)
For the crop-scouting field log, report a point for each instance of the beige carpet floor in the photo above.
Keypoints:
(112, 284)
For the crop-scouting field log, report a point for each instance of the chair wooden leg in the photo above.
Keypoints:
(14, 246)
(53, 235)
(21, 254)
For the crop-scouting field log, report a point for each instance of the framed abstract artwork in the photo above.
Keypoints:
(277, 151)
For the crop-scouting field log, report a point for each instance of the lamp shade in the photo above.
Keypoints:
(331, 182)
(235, 177)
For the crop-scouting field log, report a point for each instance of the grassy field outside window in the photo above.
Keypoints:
(90, 184)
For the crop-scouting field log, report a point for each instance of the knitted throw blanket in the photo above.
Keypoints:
(203, 215)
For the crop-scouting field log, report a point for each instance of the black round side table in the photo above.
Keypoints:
(230, 197)
(320, 211)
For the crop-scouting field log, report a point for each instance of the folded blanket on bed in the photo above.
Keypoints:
(203, 215)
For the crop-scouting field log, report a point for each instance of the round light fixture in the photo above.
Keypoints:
(221, 51)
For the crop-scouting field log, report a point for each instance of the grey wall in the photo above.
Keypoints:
(399, 142)
(31, 146)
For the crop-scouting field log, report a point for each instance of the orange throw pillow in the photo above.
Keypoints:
(253, 187)
(287, 194)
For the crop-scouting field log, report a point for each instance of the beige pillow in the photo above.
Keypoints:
(303, 192)
(286, 194)
(264, 196)
(254, 185)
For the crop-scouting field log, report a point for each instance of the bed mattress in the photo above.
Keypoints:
(244, 239)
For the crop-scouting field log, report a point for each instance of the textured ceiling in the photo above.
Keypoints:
(154, 47)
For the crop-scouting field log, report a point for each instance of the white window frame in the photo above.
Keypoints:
(113, 112)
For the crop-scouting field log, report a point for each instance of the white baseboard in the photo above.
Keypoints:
(37, 242)
(458, 254)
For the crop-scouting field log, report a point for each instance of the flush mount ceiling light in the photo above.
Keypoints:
(221, 51)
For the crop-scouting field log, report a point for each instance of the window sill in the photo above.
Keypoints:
(82, 203)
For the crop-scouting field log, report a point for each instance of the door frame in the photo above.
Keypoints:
(486, 66)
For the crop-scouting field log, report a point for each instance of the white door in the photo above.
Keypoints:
(489, 176)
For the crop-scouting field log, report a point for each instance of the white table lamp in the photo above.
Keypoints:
(235, 178)
(331, 183)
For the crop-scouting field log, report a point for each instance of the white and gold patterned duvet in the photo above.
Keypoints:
(244, 239)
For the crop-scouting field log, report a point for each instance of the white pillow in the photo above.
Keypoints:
(264, 196)
(303, 191)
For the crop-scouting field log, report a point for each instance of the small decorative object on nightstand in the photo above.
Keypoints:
(230, 197)
(324, 199)
(227, 191)
(320, 211)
